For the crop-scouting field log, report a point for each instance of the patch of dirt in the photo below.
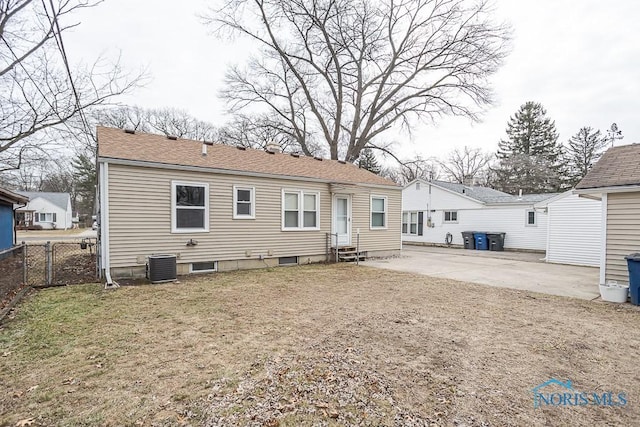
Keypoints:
(314, 345)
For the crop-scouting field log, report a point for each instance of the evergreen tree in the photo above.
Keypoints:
(582, 152)
(84, 174)
(530, 159)
(368, 161)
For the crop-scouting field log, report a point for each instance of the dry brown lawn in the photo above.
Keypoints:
(313, 345)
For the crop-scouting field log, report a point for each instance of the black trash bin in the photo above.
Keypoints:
(467, 238)
(496, 241)
(633, 264)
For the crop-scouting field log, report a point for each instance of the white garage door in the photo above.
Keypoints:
(575, 231)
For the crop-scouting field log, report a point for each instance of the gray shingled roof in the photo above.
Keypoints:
(619, 166)
(59, 199)
(491, 196)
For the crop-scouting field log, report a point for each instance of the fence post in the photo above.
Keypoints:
(24, 263)
(49, 262)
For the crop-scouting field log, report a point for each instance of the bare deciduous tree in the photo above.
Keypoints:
(464, 165)
(38, 88)
(341, 72)
(407, 171)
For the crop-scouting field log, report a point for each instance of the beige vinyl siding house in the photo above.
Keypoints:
(615, 180)
(247, 218)
(623, 233)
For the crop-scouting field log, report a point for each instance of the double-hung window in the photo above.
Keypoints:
(243, 202)
(450, 216)
(300, 210)
(189, 207)
(410, 223)
(378, 212)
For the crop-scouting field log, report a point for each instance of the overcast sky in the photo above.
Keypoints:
(580, 59)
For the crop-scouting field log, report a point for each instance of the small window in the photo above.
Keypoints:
(531, 218)
(204, 267)
(378, 212)
(243, 203)
(450, 216)
(288, 260)
(190, 207)
(405, 222)
(300, 210)
(417, 185)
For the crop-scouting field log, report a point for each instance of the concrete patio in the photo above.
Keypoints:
(516, 270)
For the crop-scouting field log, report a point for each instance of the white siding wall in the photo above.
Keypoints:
(575, 225)
(472, 216)
(63, 216)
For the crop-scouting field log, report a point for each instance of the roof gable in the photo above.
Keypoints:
(60, 200)
(158, 149)
(618, 167)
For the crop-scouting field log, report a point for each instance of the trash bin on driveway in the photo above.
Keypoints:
(481, 241)
(496, 241)
(467, 238)
(633, 264)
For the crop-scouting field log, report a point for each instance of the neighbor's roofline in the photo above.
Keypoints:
(13, 197)
(170, 166)
(545, 202)
(464, 196)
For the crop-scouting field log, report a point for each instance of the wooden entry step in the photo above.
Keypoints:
(349, 254)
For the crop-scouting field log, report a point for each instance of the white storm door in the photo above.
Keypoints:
(342, 219)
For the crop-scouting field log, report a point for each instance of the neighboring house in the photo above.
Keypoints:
(574, 226)
(615, 180)
(8, 201)
(47, 210)
(219, 207)
(432, 209)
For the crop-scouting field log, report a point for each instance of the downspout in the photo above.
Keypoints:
(15, 230)
(103, 226)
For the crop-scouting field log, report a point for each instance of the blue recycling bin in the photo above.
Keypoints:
(481, 241)
(633, 264)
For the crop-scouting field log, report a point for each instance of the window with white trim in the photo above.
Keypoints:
(450, 216)
(189, 207)
(300, 210)
(204, 267)
(410, 223)
(531, 219)
(378, 212)
(243, 202)
(46, 217)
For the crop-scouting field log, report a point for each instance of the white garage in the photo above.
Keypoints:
(574, 227)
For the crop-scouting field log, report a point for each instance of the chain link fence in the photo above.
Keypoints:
(12, 273)
(53, 264)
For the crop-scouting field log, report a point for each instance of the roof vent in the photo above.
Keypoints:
(240, 147)
(172, 137)
(296, 155)
(273, 146)
(318, 158)
(204, 149)
(131, 131)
